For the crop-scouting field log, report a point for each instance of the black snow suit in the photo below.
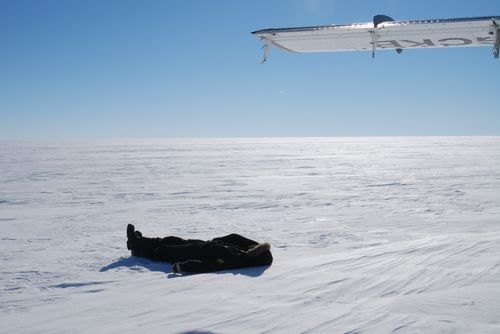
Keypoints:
(199, 256)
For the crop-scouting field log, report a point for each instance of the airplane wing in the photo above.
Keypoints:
(385, 33)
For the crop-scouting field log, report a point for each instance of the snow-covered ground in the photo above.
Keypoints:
(369, 235)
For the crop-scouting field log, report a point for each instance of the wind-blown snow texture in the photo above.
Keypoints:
(369, 235)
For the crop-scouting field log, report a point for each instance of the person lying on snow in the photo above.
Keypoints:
(197, 256)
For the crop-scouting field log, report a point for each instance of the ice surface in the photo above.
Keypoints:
(369, 235)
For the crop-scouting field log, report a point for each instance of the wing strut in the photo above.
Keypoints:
(266, 47)
(496, 47)
(378, 19)
(374, 42)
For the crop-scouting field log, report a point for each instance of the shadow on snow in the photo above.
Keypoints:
(134, 263)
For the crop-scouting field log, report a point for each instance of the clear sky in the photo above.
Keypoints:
(190, 68)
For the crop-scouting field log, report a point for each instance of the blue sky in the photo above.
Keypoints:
(186, 68)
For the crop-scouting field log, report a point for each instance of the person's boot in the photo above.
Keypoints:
(131, 236)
